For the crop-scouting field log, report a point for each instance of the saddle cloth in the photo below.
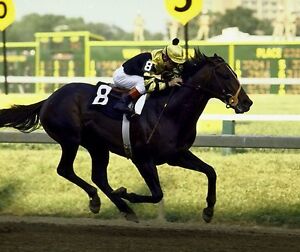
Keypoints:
(107, 96)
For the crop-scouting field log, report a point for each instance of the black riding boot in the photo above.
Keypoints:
(122, 104)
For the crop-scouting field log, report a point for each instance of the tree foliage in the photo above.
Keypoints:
(240, 17)
(24, 29)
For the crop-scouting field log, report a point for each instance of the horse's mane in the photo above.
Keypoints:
(194, 64)
(198, 57)
(191, 67)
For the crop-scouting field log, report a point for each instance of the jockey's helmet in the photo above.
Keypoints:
(175, 52)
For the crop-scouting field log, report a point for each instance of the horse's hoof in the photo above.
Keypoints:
(122, 191)
(208, 214)
(95, 204)
(131, 217)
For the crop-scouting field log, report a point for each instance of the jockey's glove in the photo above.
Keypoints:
(166, 76)
(175, 82)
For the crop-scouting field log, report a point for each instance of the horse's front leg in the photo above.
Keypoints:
(149, 173)
(188, 160)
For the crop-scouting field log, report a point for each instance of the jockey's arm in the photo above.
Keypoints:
(152, 83)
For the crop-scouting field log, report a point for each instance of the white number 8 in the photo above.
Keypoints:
(102, 93)
(148, 66)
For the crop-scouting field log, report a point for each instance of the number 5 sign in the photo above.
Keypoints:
(7, 13)
(183, 10)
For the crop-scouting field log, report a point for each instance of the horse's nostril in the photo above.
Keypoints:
(249, 103)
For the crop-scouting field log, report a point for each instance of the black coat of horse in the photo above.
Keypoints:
(67, 117)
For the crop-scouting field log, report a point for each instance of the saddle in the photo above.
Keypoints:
(106, 96)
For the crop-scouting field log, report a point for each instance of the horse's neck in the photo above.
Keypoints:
(184, 106)
(187, 106)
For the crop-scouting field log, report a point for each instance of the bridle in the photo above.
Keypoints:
(231, 100)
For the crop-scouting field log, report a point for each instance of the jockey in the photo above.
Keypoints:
(139, 74)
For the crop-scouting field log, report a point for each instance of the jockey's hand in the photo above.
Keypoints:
(167, 76)
(175, 82)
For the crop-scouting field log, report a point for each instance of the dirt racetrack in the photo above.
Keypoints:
(61, 234)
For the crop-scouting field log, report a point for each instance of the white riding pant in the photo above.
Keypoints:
(123, 80)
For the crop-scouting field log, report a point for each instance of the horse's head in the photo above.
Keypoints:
(215, 77)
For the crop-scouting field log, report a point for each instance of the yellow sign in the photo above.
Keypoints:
(183, 10)
(7, 13)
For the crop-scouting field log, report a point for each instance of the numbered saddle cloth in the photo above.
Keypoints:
(106, 97)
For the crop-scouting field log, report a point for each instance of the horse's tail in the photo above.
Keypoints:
(25, 118)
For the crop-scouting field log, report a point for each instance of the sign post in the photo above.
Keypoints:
(7, 17)
(183, 11)
(4, 62)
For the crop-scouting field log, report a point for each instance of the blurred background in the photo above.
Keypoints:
(51, 43)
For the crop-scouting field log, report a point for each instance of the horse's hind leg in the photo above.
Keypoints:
(66, 170)
(100, 157)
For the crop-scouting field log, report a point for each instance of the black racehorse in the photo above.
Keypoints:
(163, 133)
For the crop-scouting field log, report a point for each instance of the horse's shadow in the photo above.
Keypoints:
(7, 195)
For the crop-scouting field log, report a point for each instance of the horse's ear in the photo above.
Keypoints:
(197, 52)
(215, 55)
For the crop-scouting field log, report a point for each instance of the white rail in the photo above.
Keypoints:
(273, 81)
(64, 80)
(247, 117)
(51, 79)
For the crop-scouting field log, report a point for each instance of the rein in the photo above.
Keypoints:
(160, 116)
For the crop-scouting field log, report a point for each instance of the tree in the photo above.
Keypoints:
(25, 29)
(242, 18)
